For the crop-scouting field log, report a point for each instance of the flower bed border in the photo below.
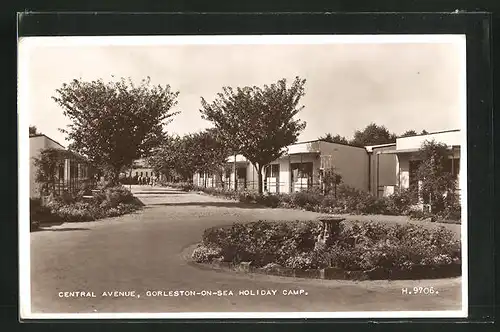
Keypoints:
(418, 271)
(319, 209)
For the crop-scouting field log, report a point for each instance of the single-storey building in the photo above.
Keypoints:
(407, 161)
(140, 168)
(380, 169)
(298, 169)
(71, 172)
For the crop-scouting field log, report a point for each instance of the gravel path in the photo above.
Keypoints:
(142, 253)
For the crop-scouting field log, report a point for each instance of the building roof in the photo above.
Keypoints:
(398, 151)
(433, 133)
(326, 141)
(47, 137)
(369, 148)
(410, 150)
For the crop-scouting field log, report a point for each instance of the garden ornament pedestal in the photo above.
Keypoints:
(330, 226)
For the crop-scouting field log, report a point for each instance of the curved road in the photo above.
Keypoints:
(143, 252)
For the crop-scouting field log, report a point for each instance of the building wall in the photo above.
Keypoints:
(139, 170)
(403, 170)
(351, 163)
(37, 144)
(450, 138)
(382, 170)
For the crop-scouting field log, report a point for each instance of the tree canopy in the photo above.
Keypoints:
(114, 123)
(334, 139)
(203, 152)
(409, 133)
(34, 131)
(258, 122)
(373, 135)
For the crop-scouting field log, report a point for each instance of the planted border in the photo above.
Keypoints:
(359, 250)
(347, 201)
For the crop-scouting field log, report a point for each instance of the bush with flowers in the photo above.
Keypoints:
(357, 246)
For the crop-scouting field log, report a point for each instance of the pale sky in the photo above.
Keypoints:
(400, 85)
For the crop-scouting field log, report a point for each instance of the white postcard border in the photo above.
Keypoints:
(26, 44)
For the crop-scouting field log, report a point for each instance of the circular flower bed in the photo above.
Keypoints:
(379, 251)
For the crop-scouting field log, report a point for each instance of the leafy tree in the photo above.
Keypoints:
(34, 131)
(412, 132)
(373, 135)
(47, 165)
(409, 133)
(434, 174)
(117, 122)
(258, 122)
(211, 152)
(334, 139)
(165, 158)
(202, 152)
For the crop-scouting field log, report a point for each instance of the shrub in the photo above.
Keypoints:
(356, 246)
(248, 197)
(76, 213)
(302, 261)
(204, 254)
(117, 195)
(401, 203)
(303, 199)
(272, 201)
(38, 212)
(184, 186)
(85, 189)
(263, 242)
(109, 202)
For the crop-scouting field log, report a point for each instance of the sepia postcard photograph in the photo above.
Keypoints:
(248, 176)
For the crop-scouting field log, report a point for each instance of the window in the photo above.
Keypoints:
(242, 172)
(146, 173)
(141, 173)
(136, 173)
(302, 170)
(452, 166)
(302, 175)
(272, 171)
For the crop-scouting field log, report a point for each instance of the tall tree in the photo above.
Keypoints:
(408, 133)
(258, 122)
(114, 123)
(208, 152)
(165, 158)
(34, 131)
(373, 135)
(334, 139)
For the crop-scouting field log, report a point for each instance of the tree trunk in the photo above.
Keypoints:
(259, 173)
(235, 174)
(221, 178)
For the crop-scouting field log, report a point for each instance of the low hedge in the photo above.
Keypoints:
(108, 202)
(357, 246)
(347, 200)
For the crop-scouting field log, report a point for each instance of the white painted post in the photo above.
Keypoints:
(67, 172)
